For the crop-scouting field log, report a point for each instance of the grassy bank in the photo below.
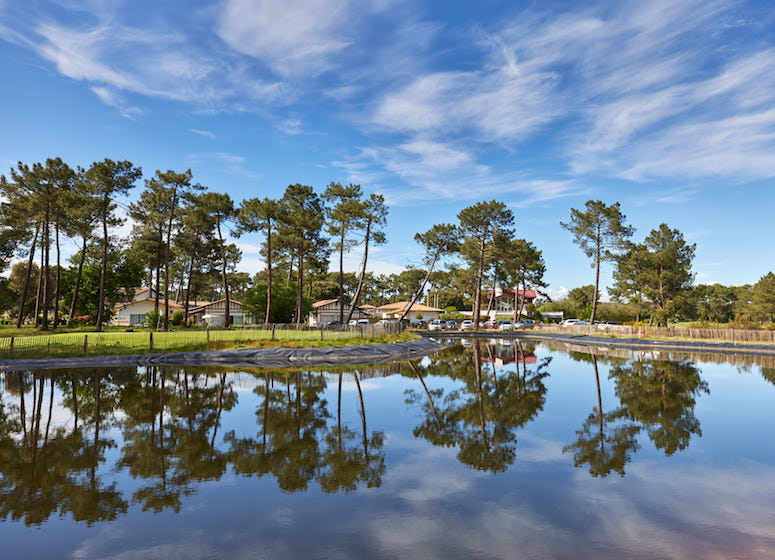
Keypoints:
(73, 344)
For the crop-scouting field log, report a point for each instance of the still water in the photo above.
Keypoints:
(494, 450)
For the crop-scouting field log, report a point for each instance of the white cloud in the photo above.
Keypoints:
(112, 98)
(205, 133)
(292, 38)
(233, 164)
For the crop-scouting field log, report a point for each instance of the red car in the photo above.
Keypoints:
(491, 324)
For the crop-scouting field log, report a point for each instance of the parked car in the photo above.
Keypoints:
(437, 325)
(358, 322)
(451, 325)
(506, 326)
(467, 325)
(569, 322)
(419, 324)
(491, 324)
(386, 321)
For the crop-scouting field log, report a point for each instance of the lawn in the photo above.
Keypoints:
(36, 345)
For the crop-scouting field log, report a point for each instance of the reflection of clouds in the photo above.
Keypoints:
(657, 511)
(538, 450)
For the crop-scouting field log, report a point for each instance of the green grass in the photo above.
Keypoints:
(71, 344)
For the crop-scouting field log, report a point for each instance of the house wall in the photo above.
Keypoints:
(124, 315)
(412, 315)
(330, 312)
(218, 311)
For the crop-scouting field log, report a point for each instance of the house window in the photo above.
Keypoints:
(136, 318)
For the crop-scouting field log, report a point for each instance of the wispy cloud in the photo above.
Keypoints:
(291, 38)
(205, 133)
(232, 164)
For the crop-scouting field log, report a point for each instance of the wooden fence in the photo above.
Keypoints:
(145, 341)
(726, 335)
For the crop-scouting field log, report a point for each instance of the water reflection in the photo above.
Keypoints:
(481, 417)
(166, 427)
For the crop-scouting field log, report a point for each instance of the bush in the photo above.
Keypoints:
(153, 318)
(177, 317)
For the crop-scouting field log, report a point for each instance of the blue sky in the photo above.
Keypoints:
(664, 106)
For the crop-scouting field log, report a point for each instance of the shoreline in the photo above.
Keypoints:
(629, 343)
(267, 357)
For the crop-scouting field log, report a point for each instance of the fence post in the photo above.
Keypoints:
(86, 344)
(208, 333)
(321, 333)
(150, 341)
(273, 326)
(10, 348)
(361, 331)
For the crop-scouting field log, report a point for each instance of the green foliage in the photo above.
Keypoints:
(601, 233)
(657, 274)
(153, 318)
(763, 299)
(283, 302)
(178, 317)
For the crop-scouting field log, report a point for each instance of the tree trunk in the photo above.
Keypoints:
(408, 308)
(104, 268)
(478, 286)
(226, 316)
(56, 284)
(341, 277)
(188, 291)
(597, 278)
(268, 273)
(77, 283)
(299, 285)
(158, 268)
(27, 274)
(46, 274)
(363, 272)
(40, 278)
(167, 264)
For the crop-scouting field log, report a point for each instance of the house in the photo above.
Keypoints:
(503, 301)
(134, 312)
(417, 311)
(327, 310)
(213, 313)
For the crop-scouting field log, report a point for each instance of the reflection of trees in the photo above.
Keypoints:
(660, 395)
(293, 424)
(480, 418)
(656, 396)
(45, 471)
(169, 434)
(605, 439)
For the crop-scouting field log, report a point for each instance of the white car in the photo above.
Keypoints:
(436, 325)
(506, 326)
(358, 322)
(467, 325)
(569, 322)
(385, 321)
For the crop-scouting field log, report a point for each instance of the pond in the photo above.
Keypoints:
(494, 449)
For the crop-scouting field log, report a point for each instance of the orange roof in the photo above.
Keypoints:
(401, 305)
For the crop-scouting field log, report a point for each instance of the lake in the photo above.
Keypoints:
(496, 449)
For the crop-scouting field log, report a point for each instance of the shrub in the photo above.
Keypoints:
(177, 317)
(153, 318)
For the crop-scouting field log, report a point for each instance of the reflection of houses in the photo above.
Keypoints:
(418, 311)
(213, 313)
(501, 361)
(327, 310)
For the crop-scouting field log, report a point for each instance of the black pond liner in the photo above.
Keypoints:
(276, 357)
(629, 343)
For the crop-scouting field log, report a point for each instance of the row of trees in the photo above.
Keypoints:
(180, 245)
(654, 278)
